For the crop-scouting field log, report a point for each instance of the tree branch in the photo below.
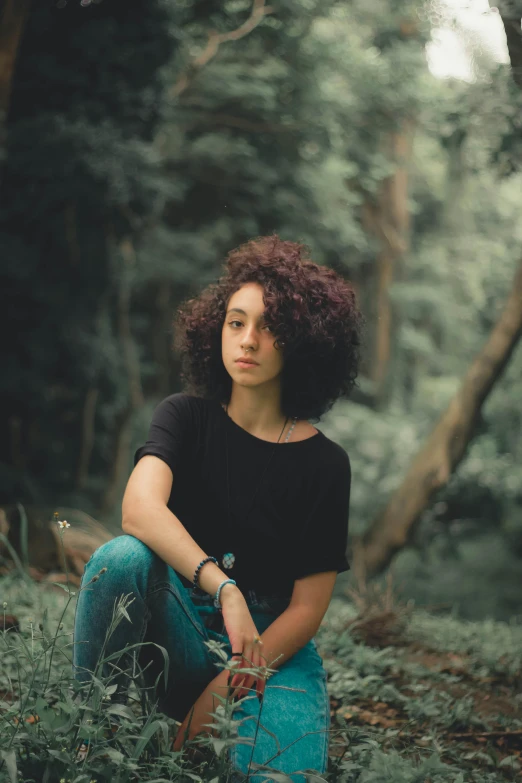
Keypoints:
(259, 11)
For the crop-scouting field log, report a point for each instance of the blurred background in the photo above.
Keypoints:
(141, 141)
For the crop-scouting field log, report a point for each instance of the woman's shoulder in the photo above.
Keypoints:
(181, 409)
(333, 457)
(182, 400)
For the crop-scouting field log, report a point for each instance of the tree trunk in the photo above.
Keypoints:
(510, 13)
(12, 22)
(132, 366)
(444, 449)
(120, 464)
(87, 437)
(161, 338)
(387, 218)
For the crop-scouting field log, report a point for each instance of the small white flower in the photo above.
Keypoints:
(63, 524)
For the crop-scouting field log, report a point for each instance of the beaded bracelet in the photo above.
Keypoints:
(200, 566)
(216, 599)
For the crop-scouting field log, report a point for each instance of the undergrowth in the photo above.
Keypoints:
(408, 690)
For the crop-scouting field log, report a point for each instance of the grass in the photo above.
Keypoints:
(414, 697)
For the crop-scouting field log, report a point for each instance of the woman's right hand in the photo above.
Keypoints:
(241, 631)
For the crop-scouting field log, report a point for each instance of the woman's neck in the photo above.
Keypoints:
(263, 422)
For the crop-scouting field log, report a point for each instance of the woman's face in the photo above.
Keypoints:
(246, 335)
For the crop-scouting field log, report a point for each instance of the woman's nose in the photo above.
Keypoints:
(249, 338)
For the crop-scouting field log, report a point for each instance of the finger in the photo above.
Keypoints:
(255, 664)
(238, 691)
(239, 678)
(250, 661)
(259, 662)
(246, 687)
(245, 663)
(256, 661)
(237, 664)
(262, 686)
(242, 677)
(262, 679)
(255, 654)
(243, 684)
(236, 677)
(237, 683)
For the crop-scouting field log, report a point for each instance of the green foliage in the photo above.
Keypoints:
(492, 648)
(122, 193)
(80, 173)
(466, 550)
(266, 137)
(131, 741)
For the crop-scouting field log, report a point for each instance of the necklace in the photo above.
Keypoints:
(229, 558)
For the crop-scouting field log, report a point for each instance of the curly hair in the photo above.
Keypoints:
(312, 312)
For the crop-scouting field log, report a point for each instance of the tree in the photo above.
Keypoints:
(81, 180)
(431, 468)
(445, 447)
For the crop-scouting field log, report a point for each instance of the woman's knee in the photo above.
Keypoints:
(121, 555)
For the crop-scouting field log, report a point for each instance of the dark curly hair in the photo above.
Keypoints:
(313, 314)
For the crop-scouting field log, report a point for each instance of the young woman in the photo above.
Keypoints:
(236, 512)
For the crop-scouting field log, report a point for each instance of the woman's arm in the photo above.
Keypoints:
(145, 516)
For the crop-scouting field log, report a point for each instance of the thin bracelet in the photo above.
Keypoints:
(217, 604)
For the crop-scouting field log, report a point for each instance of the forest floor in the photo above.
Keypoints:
(415, 697)
(424, 685)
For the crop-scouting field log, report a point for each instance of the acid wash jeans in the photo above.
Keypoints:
(166, 612)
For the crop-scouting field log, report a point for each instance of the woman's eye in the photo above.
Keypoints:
(239, 322)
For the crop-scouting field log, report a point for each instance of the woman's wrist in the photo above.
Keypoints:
(228, 591)
(210, 577)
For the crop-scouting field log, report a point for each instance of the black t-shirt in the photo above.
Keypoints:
(299, 522)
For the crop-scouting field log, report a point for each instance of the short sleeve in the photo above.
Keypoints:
(169, 431)
(325, 532)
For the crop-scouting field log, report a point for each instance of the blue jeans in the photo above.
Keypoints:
(166, 612)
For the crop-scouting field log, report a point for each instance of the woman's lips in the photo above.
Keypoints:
(246, 365)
